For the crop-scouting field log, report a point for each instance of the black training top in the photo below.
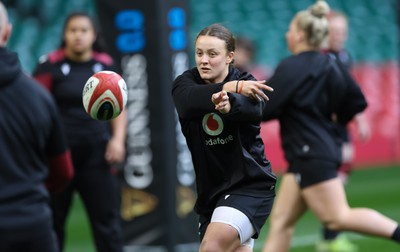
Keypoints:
(65, 79)
(309, 90)
(227, 150)
(342, 56)
(31, 135)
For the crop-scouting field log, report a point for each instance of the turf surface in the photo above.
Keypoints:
(377, 187)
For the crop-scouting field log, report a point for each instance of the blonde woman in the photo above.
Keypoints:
(312, 92)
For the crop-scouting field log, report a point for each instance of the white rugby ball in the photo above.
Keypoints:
(104, 95)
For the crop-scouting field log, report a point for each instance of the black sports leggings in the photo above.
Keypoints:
(97, 186)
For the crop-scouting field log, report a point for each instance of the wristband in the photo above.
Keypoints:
(241, 86)
(237, 83)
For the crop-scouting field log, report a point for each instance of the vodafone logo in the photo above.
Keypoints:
(212, 124)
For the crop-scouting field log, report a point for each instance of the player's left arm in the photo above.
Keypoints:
(353, 100)
(115, 152)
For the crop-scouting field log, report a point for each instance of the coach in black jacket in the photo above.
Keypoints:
(32, 148)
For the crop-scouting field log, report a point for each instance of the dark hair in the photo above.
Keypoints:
(98, 44)
(221, 32)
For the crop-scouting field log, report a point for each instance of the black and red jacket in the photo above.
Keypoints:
(65, 80)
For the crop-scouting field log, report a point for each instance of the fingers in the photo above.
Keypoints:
(261, 85)
(265, 87)
(220, 99)
(114, 157)
(256, 90)
(224, 99)
(261, 95)
(221, 105)
(110, 157)
(217, 97)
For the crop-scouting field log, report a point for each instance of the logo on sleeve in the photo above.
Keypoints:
(212, 124)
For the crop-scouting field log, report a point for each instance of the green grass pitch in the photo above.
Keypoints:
(375, 187)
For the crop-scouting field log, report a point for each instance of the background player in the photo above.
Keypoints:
(311, 94)
(245, 54)
(338, 32)
(95, 147)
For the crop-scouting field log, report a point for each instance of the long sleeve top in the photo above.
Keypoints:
(312, 92)
(227, 150)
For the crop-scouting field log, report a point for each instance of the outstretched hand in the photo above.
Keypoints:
(255, 89)
(221, 102)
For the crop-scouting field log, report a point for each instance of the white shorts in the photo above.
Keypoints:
(238, 220)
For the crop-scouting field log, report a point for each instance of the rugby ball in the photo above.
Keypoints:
(104, 95)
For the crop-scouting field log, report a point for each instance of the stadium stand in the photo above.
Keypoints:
(372, 25)
(37, 25)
